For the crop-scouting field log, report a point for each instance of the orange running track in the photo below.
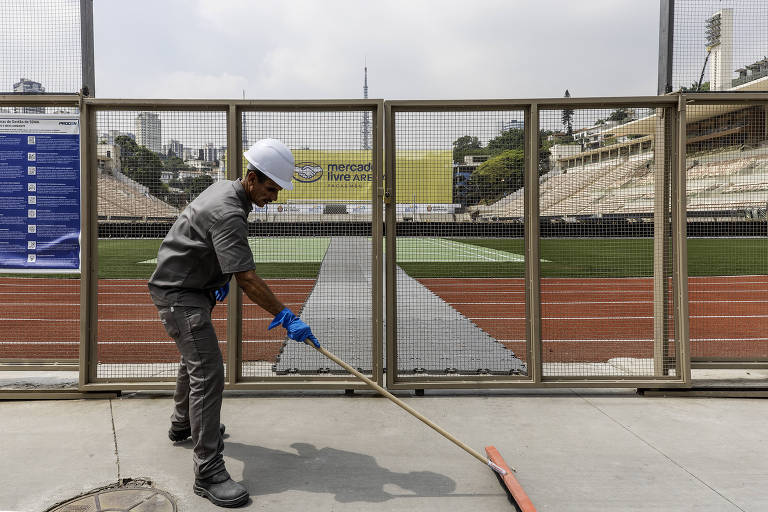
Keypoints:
(583, 320)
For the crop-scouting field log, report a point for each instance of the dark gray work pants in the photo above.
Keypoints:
(199, 384)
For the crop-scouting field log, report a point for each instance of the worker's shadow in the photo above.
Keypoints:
(350, 476)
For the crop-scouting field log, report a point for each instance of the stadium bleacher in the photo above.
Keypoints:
(626, 185)
(119, 199)
(726, 181)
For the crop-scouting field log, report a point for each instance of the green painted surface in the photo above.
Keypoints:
(300, 257)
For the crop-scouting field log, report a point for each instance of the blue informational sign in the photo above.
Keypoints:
(39, 193)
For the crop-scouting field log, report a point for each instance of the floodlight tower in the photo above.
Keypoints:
(720, 45)
(365, 124)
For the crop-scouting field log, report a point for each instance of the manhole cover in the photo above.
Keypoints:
(131, 498)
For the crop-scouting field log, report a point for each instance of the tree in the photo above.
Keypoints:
(174, 163)
(497, 177)
(141, 165)
(620, 114)
(465, 145)
(567, 117)
(197, 184)
(696, 87)
(513, 138)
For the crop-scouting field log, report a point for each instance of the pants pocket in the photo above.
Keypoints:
(197, 319)
(202, 333)
(169, 322)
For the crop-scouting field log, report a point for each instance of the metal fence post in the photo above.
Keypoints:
(377, 240)
(88, 87)
(666, 39)
(390, 222)
(532, 261)
(235, 298)
(661, 229)
(680, 247)
(89, 279)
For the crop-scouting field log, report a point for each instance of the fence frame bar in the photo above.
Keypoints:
(89, 249)
(532, 246)
(680, 248)
(235, 297)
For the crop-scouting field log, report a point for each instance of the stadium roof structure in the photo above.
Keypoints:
(647, 125)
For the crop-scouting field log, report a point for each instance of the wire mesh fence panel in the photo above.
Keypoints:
(40, 46)
(39, 251)
(599, 197)
(313, 244)
(151, 165)
(727, 189)
(459, 259)
(720, 45)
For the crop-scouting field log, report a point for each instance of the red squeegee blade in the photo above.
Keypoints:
(513, 487)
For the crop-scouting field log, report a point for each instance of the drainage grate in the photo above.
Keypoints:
(128, 495)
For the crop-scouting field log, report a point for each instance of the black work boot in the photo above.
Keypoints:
(181, 435)
(221, 490)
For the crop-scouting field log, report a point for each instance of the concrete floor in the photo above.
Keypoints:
(604, 450)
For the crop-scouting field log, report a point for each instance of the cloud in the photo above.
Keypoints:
(414, 49)
(191, 84)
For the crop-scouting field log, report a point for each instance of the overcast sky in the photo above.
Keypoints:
(414, 49)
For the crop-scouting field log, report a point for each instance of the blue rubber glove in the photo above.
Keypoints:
(297, 330)
(221, 293)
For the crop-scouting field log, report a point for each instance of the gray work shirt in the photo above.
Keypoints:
(206, 245)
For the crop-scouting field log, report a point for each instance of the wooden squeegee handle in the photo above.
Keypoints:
(403, 405)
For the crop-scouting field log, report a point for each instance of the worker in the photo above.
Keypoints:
(206, 246)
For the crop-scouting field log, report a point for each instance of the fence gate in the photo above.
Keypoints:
(726, 170)
(317, 246)
(554, 259)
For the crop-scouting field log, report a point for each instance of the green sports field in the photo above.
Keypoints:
(471, 257)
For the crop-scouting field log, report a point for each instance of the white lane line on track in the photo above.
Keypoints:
(105, 285)
(133, 320)
(582, 292)
(463, 292)
(606, 317)
(606, 302)
(126, 320)
(133, 342)
(133, 305)
(586, 284)
(633, 340)
(100, 293)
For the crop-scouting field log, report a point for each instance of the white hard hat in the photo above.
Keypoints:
(274, 159)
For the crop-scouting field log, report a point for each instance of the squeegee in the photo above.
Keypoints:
(494, 460)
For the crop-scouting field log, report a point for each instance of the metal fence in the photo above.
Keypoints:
(727, 181)
(148, 161)
(40, 313)
(551, 270)
(506, 243)
(713, 45)
(46, 47)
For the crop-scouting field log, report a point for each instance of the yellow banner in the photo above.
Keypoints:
(346, 176)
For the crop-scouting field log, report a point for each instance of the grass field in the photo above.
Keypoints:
(605, 257)
(275, 257)
(296, 257)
